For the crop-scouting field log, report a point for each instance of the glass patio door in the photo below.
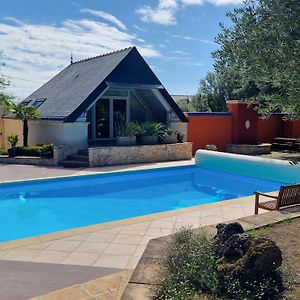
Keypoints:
(102, 119)
(108, 113)
(119, 115)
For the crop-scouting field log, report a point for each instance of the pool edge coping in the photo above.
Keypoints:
(92, 172)
(118, 223)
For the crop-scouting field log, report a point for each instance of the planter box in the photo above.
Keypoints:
(114, 155)
(170, 139)
(126, 140)
(149, 139)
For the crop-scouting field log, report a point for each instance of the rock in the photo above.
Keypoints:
(244, 255)
(224, 232)
(246, 264)
(238, 253)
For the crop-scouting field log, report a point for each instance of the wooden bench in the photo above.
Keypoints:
(288, 195)
(280, 143)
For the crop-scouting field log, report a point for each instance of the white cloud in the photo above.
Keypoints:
(225, 2)
(104, 15)
(188, 38)
(192, 2)
(140, 28)
(164, 16)
(36, 52)
(165, 11)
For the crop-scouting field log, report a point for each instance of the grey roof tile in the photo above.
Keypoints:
(69, 88)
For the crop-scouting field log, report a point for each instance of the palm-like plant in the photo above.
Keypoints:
(21, 112)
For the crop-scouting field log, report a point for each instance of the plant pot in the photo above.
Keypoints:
(170, 139)
(126, 140)
(149, 139)
(11, 152)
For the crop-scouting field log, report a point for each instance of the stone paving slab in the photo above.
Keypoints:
(23, 280)
(108, 287)
(122, 243)
(10, 172)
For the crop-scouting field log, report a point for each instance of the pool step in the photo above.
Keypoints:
(79, 160)
(77, 157)
(84, 152)
(75, 164)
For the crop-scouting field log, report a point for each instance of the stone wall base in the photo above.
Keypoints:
(27, 160)
(249, 149)
(112, 155)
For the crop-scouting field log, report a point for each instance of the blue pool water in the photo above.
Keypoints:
(44, 206)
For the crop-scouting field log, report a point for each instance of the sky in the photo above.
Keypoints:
(176, 37)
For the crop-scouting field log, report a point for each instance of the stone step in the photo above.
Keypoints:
(74, 164)
(77, 157)
(84, 152)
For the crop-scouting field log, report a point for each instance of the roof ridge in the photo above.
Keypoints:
(101, 55)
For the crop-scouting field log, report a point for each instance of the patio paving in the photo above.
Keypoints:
(9, 172)
(122, 246)
(23, 280)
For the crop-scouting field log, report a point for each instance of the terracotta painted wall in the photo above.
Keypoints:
(242, 113)
(292, 129)
(268, 129)
(209, 128)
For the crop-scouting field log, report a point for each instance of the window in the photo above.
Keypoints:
(25, 103)
(38, 102)
(116, 92)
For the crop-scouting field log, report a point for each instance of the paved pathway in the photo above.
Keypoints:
(23, 280)
(24, 172)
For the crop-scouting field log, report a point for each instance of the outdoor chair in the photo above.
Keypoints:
(288, 195)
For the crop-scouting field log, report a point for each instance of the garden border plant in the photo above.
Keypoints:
(189, 268)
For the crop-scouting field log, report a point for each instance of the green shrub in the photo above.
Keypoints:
(151, 128)
(133, 129)
(188, 271)
(189, 266)
(13, 139)
(3, 152)
(45, 150)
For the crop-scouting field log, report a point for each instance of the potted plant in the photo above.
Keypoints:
(150, 132)
(132, 129)
(169, 136)
(12, 140)
(180, 137)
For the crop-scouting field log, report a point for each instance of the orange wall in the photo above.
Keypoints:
(206, 129)
(292, 129)
(221, 129)
(268, 129)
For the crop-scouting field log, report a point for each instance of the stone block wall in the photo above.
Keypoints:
(112, 155)
(19, 160)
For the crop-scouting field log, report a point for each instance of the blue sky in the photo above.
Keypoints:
(176, 37)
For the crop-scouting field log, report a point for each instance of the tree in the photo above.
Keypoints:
(212, 94)
(186, 105)
(261, 53)
(21, 112)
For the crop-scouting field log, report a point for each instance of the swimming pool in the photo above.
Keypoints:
(42, 206)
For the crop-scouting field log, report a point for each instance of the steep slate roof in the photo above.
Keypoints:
(75, 88)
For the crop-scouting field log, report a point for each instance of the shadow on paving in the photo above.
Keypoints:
(23, 280)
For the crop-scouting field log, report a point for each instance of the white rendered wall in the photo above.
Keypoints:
(266, 168)
(58, 133)
(181, 127)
